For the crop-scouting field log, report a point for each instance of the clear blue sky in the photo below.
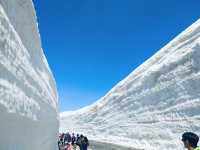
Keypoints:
(93, 44)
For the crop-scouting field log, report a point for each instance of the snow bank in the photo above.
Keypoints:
(28, 103)
(154, 105)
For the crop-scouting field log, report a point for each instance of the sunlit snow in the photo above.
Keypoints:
(153, 106)
(28, 96)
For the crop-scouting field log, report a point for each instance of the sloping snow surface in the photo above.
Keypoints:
(154, 105)
(28, 96)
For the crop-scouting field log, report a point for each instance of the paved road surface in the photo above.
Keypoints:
(105, 146)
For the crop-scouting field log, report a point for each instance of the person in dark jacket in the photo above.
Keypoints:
(85, 143)
(77, 137)
(73, 139)
(80, 142)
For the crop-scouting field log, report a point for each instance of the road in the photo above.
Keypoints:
(94, 145)
(107, 146)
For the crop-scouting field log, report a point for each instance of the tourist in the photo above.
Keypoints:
(67, 147)
(190, 141)
(69, 139)
(85, 143)
(73, 139)
(77, 138)
(79, 141)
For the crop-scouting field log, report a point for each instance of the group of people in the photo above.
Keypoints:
(69, 141)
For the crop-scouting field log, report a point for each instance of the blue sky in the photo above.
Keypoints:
(93, 44)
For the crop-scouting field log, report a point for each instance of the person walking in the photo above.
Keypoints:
(80, 141)
(85, 143)
(73, 139)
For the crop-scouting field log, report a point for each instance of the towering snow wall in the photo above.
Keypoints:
(28, 96)
(154, 105)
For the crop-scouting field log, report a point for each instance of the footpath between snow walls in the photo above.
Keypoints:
(94, 145)
(28, 95)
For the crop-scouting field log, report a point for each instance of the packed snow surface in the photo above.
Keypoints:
(28, 103)
(153, 106)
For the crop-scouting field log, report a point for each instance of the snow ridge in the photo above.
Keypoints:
(154, 105)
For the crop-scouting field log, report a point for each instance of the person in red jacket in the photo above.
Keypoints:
(67, 147)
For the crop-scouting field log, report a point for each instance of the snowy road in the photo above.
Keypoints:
(107, 146)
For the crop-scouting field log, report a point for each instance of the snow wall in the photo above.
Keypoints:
(28, 96)
(153, 106)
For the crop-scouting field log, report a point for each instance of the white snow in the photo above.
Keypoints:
(28, 103)
(153, 106)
